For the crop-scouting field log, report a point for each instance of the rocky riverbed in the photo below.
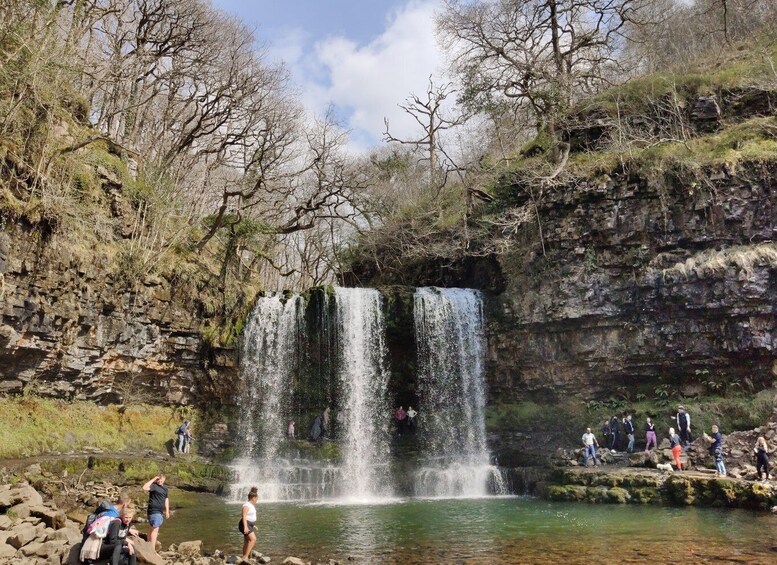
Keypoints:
(44, 504)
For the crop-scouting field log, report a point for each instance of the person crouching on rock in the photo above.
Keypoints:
(761, 457)
(677, 448)
(116, 546)
(248, 522)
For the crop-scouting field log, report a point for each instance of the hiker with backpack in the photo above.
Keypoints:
(183, 434)
(104, 509)
(107, 539)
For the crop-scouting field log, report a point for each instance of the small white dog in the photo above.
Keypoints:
(664, 467)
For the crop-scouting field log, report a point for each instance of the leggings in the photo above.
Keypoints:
(676, 450)
(650, 437)
(762, 464)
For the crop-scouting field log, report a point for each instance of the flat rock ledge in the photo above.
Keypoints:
(629, 485)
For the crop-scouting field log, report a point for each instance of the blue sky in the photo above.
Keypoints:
(363, 56)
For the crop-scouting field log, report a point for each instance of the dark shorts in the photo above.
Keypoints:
(250, 527)
(155, 519)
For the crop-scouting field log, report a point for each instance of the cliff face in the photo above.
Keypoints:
(70, 330)
(646, 280)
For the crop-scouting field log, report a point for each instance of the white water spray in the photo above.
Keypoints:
(450, 337)
(363, 382)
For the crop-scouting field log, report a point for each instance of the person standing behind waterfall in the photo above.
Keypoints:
(400, 416)
(411, 414)
(325, 422)
(248, 522)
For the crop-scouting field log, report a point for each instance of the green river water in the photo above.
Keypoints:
(488, 530)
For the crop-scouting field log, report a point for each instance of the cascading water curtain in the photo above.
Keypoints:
(271, 357)
(451, 345)
(363, 404)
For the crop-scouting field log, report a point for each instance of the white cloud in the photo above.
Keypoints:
(366, 82)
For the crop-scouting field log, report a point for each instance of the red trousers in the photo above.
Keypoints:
(676, 450)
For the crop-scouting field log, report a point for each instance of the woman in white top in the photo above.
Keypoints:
(248, 521)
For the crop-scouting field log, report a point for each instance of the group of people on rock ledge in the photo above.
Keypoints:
(611, 429)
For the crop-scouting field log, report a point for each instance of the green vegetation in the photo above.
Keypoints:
(570, 417)
(31, 426)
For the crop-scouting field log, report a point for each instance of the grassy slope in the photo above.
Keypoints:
(32, 426)
(749, 67)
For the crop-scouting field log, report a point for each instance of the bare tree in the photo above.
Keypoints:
(431, 114)
(539, 53)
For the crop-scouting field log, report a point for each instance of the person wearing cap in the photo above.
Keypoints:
(683, 420)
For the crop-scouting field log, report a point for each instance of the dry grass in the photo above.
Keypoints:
(744, 258)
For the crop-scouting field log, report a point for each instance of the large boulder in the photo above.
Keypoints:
(44, 549)
(21, 494)
(190, 549)
(5, 522)
(146, 552)
(7, 551)
(52, 518)
(21, 535)
(71, 535)
(642, 459)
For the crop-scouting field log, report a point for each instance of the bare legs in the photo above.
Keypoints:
(248, 544)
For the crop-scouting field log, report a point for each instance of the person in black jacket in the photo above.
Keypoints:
(116, 546)
(628, 428)
(615, 437)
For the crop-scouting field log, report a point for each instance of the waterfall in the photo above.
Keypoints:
(272, 358)
(325, 355)
(450, 338)
(363, 408)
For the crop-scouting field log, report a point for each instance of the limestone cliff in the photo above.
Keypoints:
(644, 279)
(71, 329)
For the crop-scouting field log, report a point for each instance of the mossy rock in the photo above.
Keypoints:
(679, 491)
(606, 480)
(618, 495)
(566, 493)
(645, 495)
